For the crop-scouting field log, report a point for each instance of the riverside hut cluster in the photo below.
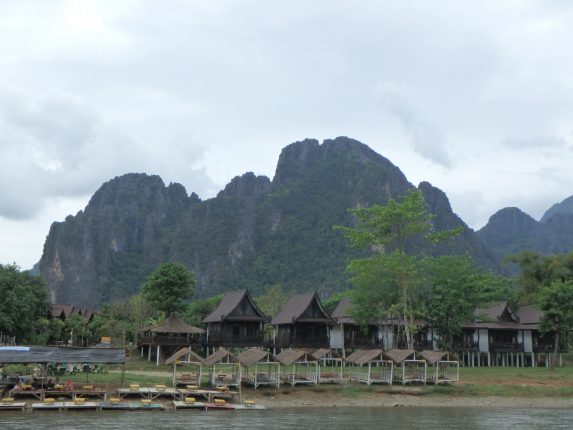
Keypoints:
(498, 336)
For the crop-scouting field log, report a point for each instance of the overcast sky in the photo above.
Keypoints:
(475, 97)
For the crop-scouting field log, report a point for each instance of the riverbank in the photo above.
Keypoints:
(351, 396)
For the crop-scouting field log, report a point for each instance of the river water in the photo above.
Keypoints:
(304, 418)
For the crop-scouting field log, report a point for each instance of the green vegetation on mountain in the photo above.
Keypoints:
(254, 234)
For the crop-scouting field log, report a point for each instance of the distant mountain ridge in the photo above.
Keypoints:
(510, 230)
(255, 233)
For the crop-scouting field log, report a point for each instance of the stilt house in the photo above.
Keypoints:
(236, 322)
(302, 323)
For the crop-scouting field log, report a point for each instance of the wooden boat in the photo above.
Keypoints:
(218, 404)
(49, 406)
(8, 404)
(131, 406)
(178, 404)
(81, 406)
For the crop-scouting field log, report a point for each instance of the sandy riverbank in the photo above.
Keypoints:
(301, 397)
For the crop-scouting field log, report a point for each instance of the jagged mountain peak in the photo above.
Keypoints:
(564, 207)
(253, 234)
(246, 185)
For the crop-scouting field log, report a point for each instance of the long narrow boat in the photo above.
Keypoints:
(53, 406)
(131, 406)
(12, 406)
(81, 406)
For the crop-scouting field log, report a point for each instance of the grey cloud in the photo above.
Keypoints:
(535, 142)
(427, 139)
(56, 145)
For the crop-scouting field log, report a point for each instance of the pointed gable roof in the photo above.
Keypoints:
(529, 315)
(363, 356)
(342, 311)
(302, 308)
(236, 306)
(173, 324)
(399, 355)
(499, 312)
(219, 356)
(290, 356)
(254, 355)
(182, 353)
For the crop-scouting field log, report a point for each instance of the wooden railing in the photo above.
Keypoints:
(238, 341)
(506, 347)
(171, 340)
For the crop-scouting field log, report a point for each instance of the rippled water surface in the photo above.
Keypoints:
(324, 418)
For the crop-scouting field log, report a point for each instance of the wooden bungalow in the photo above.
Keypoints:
(187, 367)
(260, 368)
(536, 344)
(299, 367)
(495, 338)
(64, 312)
(236, 322)
(330, 366)
(345, 334)
(441, 370)
(168, 337)
(224, 369)
(407, 368)
(368, 366)
(302, 323)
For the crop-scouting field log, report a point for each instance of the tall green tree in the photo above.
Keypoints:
(23, 304)
(538, 272)
(169, 288)
(455, 289)
(556, 303)
(392, 231)
(199, 309)
(272, 301)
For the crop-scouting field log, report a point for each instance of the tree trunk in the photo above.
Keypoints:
(556, 351)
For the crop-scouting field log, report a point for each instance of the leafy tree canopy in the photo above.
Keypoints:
(169, 288)
(455, 288)
(24, 303)
(392, 276)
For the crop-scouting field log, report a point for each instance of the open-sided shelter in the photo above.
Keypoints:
(299, 367)
(302, 323)
(236, 322)
(187, 367)
(260, 368)
(166, 338)
(330, 365)
(224, 369)
(408, 369)
(441, 370)
(368, 366)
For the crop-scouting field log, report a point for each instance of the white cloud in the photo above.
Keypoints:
(199, 92)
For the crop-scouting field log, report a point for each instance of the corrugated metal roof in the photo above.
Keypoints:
(295, 307)
(45, 354)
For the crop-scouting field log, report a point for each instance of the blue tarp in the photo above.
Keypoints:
(46, 354)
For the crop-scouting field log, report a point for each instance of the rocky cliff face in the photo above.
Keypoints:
(510, 231)
(253, 234)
